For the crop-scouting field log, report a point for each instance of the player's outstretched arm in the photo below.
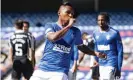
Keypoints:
(81, 56)
(88, 51)
(53, 36)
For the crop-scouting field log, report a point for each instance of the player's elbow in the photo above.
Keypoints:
(53, 39)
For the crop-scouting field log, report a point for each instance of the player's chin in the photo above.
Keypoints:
(66, 22)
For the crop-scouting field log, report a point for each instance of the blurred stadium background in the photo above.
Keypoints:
(39, 12)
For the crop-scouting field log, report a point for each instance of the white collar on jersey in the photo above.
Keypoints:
(104, 31)
(59, 25)
(19, 31)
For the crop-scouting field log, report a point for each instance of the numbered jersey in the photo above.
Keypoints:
(20, 44)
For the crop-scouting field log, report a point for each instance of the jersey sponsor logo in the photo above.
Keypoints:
(103, 47)
(18, 40)
(21, 36)
(61, 48)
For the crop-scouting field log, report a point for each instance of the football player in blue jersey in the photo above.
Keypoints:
(61, 36)
(108, 41)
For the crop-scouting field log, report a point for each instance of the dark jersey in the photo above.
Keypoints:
(20, 44)
(33, 41)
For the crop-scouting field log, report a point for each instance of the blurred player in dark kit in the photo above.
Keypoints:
(20, 53)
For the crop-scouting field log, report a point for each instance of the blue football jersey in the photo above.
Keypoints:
(57, 55)
(109, 42)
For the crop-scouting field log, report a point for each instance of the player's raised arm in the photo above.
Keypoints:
(88, 51)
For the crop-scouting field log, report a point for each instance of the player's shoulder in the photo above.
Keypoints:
(114, 30)
(30, 34)
(96, 31)
(75, 29)
(12, 36)
(50, 24)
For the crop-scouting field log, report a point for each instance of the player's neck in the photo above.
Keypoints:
(61, 23)
(105, 28)
(18, 29)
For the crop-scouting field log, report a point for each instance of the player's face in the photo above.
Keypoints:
(66, 13)
(85, 37)
(25, 27)
(101, 21)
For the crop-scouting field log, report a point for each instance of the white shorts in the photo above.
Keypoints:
(41, 75)
(107, 73)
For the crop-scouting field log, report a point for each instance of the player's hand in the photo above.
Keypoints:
(95, 63)
(30, 58)
(101, 55)
(118, 74)
(71, 21)
(73, 70)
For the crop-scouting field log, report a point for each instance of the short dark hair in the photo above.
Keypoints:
(19, 23)
(26, 22)
(83, 34)
(76, 14)
(67, 4)
(106, 15)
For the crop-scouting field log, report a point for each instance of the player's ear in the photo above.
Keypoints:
(58, 13)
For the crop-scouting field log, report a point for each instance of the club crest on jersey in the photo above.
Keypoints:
(108, 37)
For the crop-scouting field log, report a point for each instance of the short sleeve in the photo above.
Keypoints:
(29, 40)
(48, 28)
